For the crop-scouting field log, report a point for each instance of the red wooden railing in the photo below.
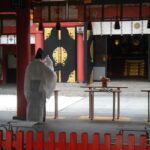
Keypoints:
(16, 140)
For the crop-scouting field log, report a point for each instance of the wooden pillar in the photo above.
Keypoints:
(80, 57)
(39, 40)
(148, 36)
(23, 57)
(86, 76)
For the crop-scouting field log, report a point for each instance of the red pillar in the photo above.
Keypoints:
(80, 57)
(23, 57)
(39, 40)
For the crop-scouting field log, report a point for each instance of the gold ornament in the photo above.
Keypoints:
(60, 55)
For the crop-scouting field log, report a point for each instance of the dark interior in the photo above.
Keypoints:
(127, 56)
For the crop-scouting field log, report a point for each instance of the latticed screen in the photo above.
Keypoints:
(18, 3)
(58, 13)
(81, 12)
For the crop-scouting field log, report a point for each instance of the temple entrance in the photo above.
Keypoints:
(121, 57)
(127, 56)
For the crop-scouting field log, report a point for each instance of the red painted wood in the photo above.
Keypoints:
(19, 140)
(50, 144)
(39, 144)
(9, 143)
(4, 65)
(9, 139)
(80, 57)
(1, 138)
(63, 24)
(131, 10)
(6, 6)
(110, 11)
(87, 1)
(73, 141)
(96, 141)
(62, 141)
(39, 40)
(130, 142)
(23, 57)
(119, 141)
(143, 144)
(84, 141)
(29, 140)
(107, 141)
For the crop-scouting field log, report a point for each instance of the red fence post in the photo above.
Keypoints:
(73, 141)
(29, 140)
(119, 142)
(39, 144)
(84, 141)
(130, 142)
(9, 143)
(143, 145)
(107, 141)
(96, 141)
(62, 141)
(50, 144)
(1, 138)
(19, 140)
(9, 139)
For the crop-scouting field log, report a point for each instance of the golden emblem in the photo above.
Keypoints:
(136, 25)
(60, 55)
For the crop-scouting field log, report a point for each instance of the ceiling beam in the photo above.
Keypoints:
(81, 2)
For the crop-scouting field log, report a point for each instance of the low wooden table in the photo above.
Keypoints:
(118, 93)
(56, 103)
(55, 106)
(91, 101)
(148, 91)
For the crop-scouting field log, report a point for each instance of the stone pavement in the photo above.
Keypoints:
(73, 89)
(72, 97)
(73, 109)
(134, 87)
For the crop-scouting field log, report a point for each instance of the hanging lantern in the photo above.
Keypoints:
(148, 23)
(117, 24)
(58, 27)
(40, 28)
(89, 25)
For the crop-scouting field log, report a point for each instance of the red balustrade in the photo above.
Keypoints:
(10, 140)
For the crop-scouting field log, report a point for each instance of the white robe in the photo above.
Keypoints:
(39, 84)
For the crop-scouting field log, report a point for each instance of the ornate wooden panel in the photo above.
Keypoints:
(60, 45)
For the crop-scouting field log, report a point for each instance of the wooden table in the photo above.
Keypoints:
(91, 101)
(55, 106)
(56, 103)
(118, 93)
(148, 91)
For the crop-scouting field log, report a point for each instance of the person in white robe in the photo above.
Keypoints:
(39, 84)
